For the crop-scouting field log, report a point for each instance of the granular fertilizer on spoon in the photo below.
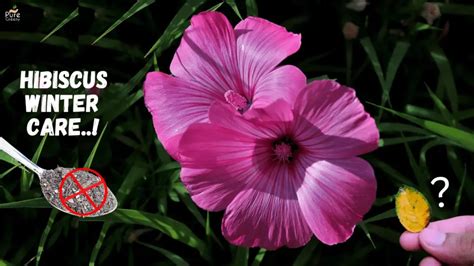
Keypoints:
(50, 182)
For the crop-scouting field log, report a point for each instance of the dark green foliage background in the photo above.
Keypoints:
(158, 224)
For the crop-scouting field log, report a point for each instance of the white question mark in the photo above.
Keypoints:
(446, 186)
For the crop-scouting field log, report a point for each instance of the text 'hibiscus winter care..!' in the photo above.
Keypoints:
(62, 92)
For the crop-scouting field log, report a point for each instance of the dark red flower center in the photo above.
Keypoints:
(239, 102)
(284, 149)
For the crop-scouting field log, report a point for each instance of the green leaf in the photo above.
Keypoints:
(5, 263)
(138, 6)
(8, 195)
(44, 236)
(176, 27)
(215, 7)
(384, 233)
(398, 54)
(36, 38)
(423, 112)
(137, 171)
(176, 259)
(7, 158)
(394, 141)
(167, 166)
(252, 8)
(2, 175)
(462, 138)
(397, 127)
(448, 118)
(241, 257)
(234, 7)
(306, 253)
(166, 225)
(259, 257)
(94, 150)
(381, 216)
(27, 180)
(370, 50)
(71, 16)
(392, 172)
(459, 194)
(466, 114)
(386, 81)
(367, 233)
(446, 75)
(29, 203)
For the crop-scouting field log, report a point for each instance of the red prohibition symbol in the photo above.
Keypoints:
(82, 191)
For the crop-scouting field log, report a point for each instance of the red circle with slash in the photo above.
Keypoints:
(83, 191)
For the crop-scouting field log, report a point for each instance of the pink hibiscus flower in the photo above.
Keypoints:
(285, 172)
(216, 62)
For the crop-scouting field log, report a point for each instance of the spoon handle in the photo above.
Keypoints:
(17, 155)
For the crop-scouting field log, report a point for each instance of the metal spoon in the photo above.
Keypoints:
(50, 179)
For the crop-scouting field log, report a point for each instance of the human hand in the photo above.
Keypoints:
(449, 241)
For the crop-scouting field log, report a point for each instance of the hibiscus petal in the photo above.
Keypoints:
(284, 83)
(261, 46)
(174, 105)
(216, 162)
(332, 121)
(268, 123)
(335, 195)
(267, 215)
(207, 54)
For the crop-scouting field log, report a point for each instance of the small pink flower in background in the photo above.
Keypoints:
(430, 12)
(216, 62)
(285, 172)
(350, 31)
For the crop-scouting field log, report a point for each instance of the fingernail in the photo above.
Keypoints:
(432, 237)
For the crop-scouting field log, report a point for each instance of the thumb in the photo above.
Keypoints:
(449, 248)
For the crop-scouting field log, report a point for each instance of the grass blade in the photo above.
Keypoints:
(166, 225)
(381, 216)
(94, 150)
(446, 75)
(367, 233)
(177, 260)
(71, 16)
(398, 54)
(176, 27)
(29, 203)
(306, 254)
(215, 7)
(393, 173)
(397, 127)
(448, 118)
(234, 7)
(394, 141)
(136, 171)
(459, 194)
(384, 233)
(252, 8)
(7, 158)
(259, 257)
(44, 236)
(27, 180)
(370, 50)
(462, 138)
(132, 11)
(241, 257)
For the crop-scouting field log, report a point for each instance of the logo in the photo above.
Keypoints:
(13, 14)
